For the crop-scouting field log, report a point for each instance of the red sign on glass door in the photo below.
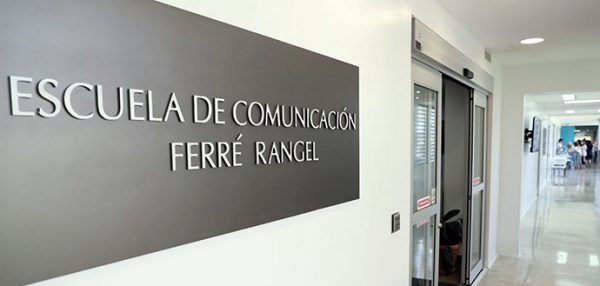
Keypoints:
(423, 202)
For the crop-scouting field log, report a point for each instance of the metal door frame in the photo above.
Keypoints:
(478, 100)
(430, 78)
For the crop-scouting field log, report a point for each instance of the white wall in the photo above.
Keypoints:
(535, 165)
(530, 161)
(517, 81)
(349, 244)
(494, 159)
(545, 166)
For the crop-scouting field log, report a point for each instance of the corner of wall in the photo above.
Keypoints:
(509, 192)
(494, 165)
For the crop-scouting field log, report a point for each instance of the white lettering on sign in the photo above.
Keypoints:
(285, 152)
(16, 95)
(173, 106)
(100, 98)
(214, 109)
(45, 94)
(68, 100)
(77, 97)
(203, 155)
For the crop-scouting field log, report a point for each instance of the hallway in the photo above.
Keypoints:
(560, 237)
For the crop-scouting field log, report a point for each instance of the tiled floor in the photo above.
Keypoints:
(560, 237)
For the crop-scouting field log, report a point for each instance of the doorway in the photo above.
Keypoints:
(456, 147)
(448, 187)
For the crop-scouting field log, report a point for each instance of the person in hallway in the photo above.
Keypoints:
(579, 147)
(576, 155)
(579, 151)
(559, 147)
(570, 150)
(590, 152)
(583, 152)
(581, 143)
(595, 148)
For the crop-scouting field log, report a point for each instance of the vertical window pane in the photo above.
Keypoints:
(425, 147)
(477, 229)
(423, 249)
(478, 147)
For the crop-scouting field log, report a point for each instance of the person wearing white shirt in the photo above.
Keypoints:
(559, 147)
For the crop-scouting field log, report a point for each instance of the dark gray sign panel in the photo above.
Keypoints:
(129, 127)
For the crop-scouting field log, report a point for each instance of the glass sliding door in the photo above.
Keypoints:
(425, 175)
(477, 196)
(425, 148)
(424, 252)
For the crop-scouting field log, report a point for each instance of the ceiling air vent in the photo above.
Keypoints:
(488, 55)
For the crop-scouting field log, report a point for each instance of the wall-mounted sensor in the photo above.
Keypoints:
(468, 73)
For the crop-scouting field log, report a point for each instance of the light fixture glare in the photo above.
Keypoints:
(561, 257)
(582, 101)
(594, 261)
(532, 41)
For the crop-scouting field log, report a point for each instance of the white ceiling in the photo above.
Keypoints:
(552, 105)
(499, 25)
(579, 120)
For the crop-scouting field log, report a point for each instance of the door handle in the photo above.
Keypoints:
(439, 225)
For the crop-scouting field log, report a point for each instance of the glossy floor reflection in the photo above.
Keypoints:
(560, 237)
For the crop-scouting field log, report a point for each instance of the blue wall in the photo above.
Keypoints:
(567, 133)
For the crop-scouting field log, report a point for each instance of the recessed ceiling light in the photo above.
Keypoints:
(561, 257)
(570, 111)
(567, 97)
(532, 41)
(594, 261)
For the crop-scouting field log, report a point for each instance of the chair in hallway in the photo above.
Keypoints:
(559, 164)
